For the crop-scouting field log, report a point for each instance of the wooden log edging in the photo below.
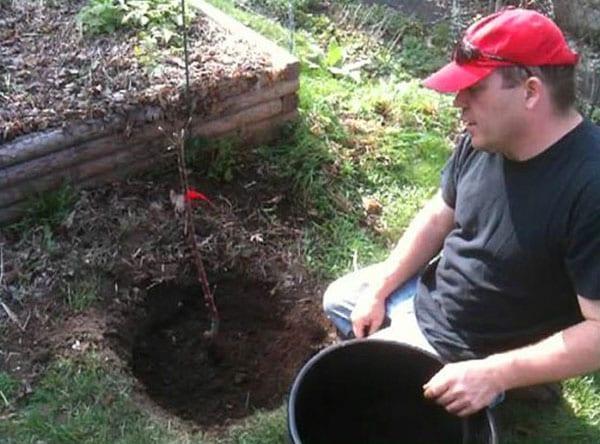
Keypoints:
(284, 64)
(40, 144)
(19, 181)
(94, 152)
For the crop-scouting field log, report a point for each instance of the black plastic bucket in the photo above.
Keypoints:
(370, 392)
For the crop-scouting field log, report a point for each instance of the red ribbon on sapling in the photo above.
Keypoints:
(192, 195)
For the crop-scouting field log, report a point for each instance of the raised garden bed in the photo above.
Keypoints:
(85, 110)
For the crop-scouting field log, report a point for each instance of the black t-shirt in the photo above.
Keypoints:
(525, 243)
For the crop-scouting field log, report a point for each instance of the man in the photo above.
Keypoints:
(514, 298)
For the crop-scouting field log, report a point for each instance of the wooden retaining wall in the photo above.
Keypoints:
(92, 153)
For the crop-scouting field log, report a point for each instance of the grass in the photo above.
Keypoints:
(82, 400)
(82, 293)
(576, 420)
(261, 428)
(48, 209)
(8, 390)
(371, 132)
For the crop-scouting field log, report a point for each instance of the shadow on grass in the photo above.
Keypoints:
(574, 419)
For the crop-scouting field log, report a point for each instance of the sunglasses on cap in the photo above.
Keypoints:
(465, 52)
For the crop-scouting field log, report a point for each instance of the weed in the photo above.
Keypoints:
(419, 58)
(8, 389)
(594, 115)
(47, 241)
(101, 17)
(48, 209)
(149, 13)
(302, 162)
(158, 18)
(280, 9)
(399, 206)
(217, 159)
(81, 294)
(147, 52)
(223, 163)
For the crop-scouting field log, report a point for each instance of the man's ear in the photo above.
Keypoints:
(534, 89)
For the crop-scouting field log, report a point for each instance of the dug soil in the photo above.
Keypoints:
(262, 342)
(123, 244)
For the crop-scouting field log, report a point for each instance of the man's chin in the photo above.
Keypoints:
(481, 145)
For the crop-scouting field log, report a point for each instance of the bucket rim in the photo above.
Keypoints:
(291, 410)
(293, 430)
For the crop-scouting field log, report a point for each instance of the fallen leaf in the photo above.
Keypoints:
(371, 205)
(178, 201)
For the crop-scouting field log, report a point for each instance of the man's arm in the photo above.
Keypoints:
(421, 241)
(466, 387)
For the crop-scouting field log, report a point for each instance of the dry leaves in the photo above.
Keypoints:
(51, 75)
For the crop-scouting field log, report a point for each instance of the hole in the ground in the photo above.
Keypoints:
(263, 341)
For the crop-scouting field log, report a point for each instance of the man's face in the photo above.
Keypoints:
(492, 114)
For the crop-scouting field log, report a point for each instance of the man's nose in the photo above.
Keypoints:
(460, 100)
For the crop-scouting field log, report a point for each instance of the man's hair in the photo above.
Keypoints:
(560, 80)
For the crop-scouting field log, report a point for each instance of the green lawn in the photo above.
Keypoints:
(370, 133)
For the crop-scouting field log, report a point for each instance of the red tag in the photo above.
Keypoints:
(192, 194)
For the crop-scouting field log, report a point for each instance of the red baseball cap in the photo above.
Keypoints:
(513, 36)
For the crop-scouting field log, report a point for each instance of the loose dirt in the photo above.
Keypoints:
(124, 242)
(262, 343)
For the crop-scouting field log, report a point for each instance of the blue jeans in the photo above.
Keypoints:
(341, 297)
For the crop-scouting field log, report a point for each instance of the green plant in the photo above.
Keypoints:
(301, 162)
(419, 58)
(81, 294)
(101, 16)
(149, 13)
(222, 163)
(594, 115)
(52, 207)
(218, 159)
(48, 209)
(159, 18)
(8, 389)
(147, 51)
(332, 246)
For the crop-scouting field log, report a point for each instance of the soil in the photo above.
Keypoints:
(125, 242)
(262, 343)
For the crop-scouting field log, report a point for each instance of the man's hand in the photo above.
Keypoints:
(368, 315)
(464, 388)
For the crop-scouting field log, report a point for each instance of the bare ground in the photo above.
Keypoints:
(125, 243)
